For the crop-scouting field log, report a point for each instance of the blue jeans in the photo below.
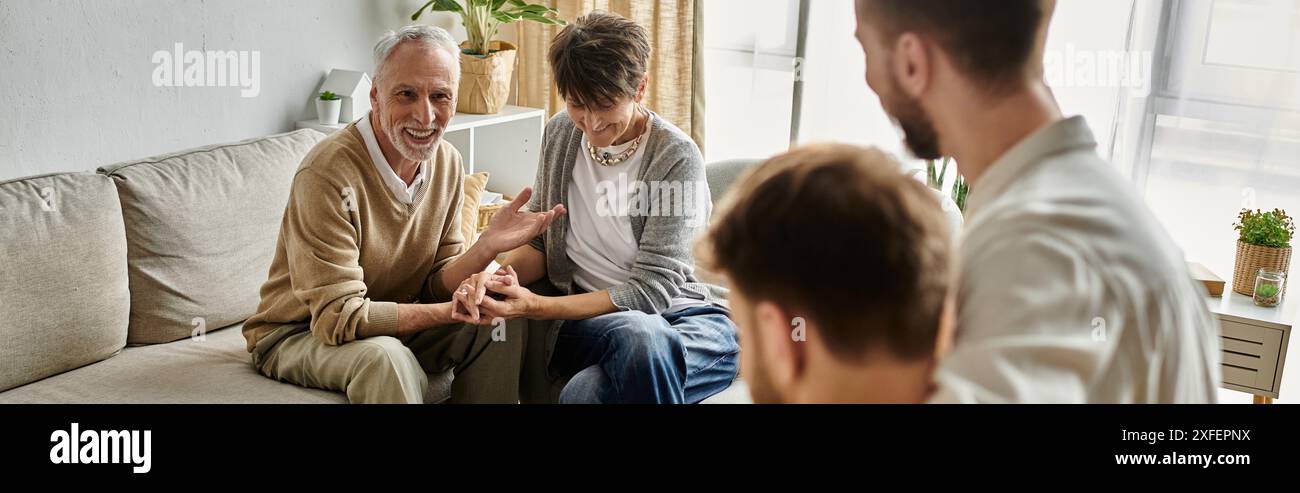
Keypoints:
(634, 357)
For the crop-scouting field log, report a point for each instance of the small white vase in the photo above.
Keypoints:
(328, 111)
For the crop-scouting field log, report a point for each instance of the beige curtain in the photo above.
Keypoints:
(676, 85)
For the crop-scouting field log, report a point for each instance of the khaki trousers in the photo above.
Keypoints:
(387, 369)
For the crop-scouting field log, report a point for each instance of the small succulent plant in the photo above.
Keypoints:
(1267, 291)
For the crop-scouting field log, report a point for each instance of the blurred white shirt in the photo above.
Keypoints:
(1070, 290)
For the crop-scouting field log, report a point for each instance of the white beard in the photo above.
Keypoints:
(418, 154)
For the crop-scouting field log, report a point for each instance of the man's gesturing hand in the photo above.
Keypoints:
(511, 227)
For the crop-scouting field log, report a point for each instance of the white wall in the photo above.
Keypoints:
(76, 76)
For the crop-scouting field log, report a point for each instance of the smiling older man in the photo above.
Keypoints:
(359, 294)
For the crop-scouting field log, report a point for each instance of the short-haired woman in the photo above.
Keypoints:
(637, 326)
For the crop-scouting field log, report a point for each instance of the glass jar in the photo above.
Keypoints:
(1268, 287)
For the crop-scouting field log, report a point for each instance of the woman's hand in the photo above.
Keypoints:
(465, 301)
(519, 302)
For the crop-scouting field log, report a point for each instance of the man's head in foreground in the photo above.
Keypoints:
(838, 265)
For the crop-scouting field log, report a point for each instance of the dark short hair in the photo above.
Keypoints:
(600, 58)
(840, 236)
(990, 41)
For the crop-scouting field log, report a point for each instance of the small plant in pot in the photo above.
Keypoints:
(1267, 294)
(1263, 242)
(487, 65)
(327, 108)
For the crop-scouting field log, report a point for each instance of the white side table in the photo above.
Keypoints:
(1254, 343)
(507, 145)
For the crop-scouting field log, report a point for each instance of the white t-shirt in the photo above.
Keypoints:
(600, 240)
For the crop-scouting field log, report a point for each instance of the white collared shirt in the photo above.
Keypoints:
(1070, 289)
(403, 192)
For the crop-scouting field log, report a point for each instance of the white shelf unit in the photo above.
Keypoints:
(507, 145)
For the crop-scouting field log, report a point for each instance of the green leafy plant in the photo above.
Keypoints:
(482, 18)
(960, 189)
(933, 180)
(1265, 228)
(329, 96)
(1266, 291)
(934, 177)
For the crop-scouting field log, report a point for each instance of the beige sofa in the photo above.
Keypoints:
(109, 274)
(129, 285)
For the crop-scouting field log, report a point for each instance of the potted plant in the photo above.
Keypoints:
(1263, 242)
(934, 177)
(1268, 289)
(327, 108)
(960, 189)
(486, 65)
(935, 180)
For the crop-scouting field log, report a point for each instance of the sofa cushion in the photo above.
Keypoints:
(722, 175)
(201, 228)
(213, 370)
(63, 283)
(190, 371)
(475, 183)
(737, 393)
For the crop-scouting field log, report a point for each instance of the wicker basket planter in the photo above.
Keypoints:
(486, 212)
(1252, 258)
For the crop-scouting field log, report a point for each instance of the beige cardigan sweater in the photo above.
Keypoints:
(349, 252)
